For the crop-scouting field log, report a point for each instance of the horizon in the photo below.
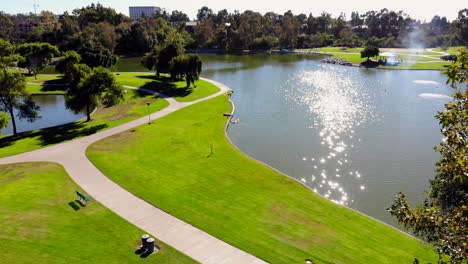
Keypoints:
(413, 9)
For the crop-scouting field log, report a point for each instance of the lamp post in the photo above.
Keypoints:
(149, 113)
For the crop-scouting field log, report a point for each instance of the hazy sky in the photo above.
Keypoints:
(418, 9)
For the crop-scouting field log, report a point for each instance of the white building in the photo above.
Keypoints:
(137, 12)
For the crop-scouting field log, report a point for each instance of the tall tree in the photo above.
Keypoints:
(95, 89)
(13, 96)
(36, 55)
(160, 57)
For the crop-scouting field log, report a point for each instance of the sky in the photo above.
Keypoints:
(418, 9)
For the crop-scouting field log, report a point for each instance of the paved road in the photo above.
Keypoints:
(171, 230)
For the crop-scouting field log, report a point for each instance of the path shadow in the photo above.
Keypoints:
(67, 132)
(74, 206)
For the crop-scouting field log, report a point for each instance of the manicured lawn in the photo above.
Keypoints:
(238, 200)
(132, 108)
(42, 222)
(128, 64)
(45, 78)
(164, 84)
(45, 89)
(452, 50)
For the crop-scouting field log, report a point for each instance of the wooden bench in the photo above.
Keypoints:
(83, 197)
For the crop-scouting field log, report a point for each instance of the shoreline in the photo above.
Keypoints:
(226, 127)
(300, 52)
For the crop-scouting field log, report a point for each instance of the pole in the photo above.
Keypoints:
(149, 114)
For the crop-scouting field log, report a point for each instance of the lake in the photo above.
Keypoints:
(53, 113)
(355, 136)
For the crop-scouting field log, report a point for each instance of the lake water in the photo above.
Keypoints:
(356, 136)
(53, 113)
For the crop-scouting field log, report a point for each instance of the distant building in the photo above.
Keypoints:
(137, 12)
(22, 27)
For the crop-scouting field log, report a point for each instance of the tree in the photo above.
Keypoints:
(95, 55)
(13, 95)
(99, 87)
(186, 66)
(8, 56)
(70, 58)
(369, 51)
(160, 57)
(36, 56)
(7, 27)
(443, 220)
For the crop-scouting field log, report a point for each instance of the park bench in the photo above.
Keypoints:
(83, 197)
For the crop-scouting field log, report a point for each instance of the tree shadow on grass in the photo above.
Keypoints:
(165, 85)
(49, 88)
(67, 132)
(54, 135)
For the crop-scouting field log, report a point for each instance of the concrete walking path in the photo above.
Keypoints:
(184, 237)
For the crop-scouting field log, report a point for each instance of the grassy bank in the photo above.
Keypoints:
(184, 164)
(42, 222)
(164, 84)
(132, 108)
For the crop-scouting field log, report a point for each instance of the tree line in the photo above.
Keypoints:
(236, 31)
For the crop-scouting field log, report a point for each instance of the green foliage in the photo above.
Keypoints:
(444, 221)
(369, 51)
(36, 55)
(186, 66)
(160, 57)
(4, 120)
(8, 56)
(6, 26)
(13, 95)
(66, 63)
(96, 55)
(95, 88)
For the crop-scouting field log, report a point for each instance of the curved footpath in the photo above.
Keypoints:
(184, 237)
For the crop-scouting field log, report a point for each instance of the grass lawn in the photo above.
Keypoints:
(132, 108)
(128, 64)
(164, 84)
(45, 79)
(44, 89)
(238, 200)
(452, 50)
(42, 222)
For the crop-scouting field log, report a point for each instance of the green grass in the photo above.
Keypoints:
(164, 84)
(45, 78)
(44, 89)
(42, 222)
(132, 108)
(452, 50)
(128, 64)
(238, 200)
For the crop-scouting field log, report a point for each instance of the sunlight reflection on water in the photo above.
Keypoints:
(337, 107)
